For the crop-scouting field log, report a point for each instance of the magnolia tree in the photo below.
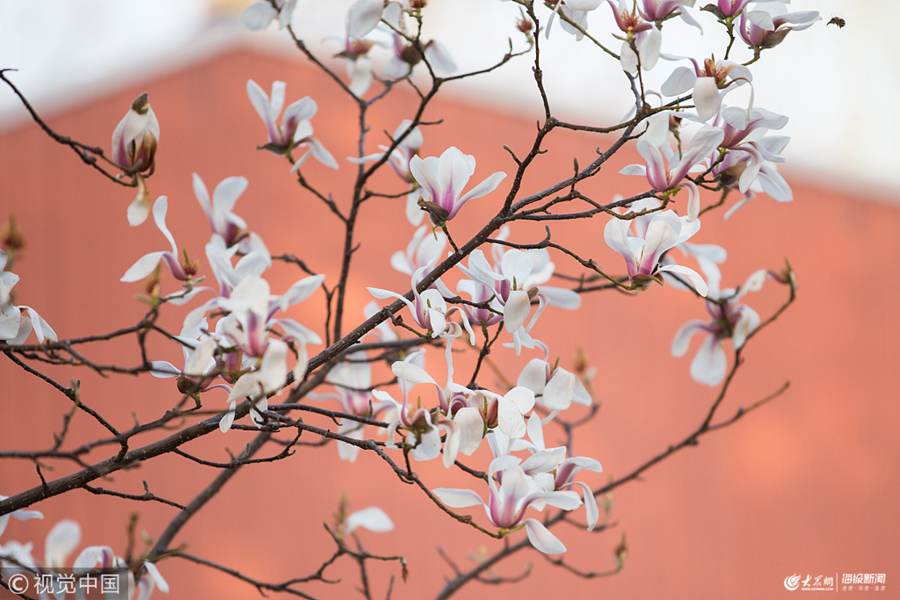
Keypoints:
(249, 371)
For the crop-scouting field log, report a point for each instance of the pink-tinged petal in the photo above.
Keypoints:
(707, 99)
(683, 338)
(681, 80)
(160, 208)
(301, 110)
(61, 542)
(363, 17)
(226, 195)
(691, 275)
(616, 236)
(710, 363)
(384, 294)
(258, 15)
(657, 175)
(774, 184)
(372, 518)
(702, 145)
(662, 234)
(541, 538)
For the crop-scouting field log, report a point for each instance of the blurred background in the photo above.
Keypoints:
(806, 485)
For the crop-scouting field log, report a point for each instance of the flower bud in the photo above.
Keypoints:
(136, 137)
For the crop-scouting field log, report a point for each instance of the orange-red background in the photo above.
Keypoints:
(806, 485)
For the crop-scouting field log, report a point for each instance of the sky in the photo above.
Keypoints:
(839, 87)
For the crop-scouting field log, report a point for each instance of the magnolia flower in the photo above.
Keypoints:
(182, 270)
(134, 143)
(410, 142)
(406, 56)
(218, 211)
(654, 146)
(14, 326)
(555, 388)
(575, 11)
(709, 82)
(752, 154)
(729, 320)
(424, 249)
(359, 67)
(429, 309)
(295, 129)
(443, 179)
(727, 9)
(553, 471)
(660, 10)
(642, 254)
(508, 501)
(257, 16)
(768, 25)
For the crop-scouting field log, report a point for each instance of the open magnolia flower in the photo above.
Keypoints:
(511, 493)
(709, 80)
(642, 254)
(134, 143)
(654, 146)
(443, 180)
(730, 319)
(257, 16)
(295, 129)
(14, 326)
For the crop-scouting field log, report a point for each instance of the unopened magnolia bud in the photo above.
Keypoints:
(185, 384)
(437, 212)
(524, 25)
(410, 55)
(12, 239)
(417, 4)
(491, 418)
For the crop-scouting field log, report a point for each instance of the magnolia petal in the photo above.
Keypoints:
(682, 340)
(139, 208)
(590, 505)
(560, 391)
(227, 419)
(157, 577)
(458, 498)
(471, 429)
(691, 275)
(517, 309)
(258, 15)
(541, 538)
(61, 542)
(707, 99)
(363, 17)
(372, 518)
(710, 364)
(143, 267)
(681, 80)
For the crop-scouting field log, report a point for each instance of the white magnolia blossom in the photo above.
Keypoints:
(510, 495)
(15, 327)
(730, 319)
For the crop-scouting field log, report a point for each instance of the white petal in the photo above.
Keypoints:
(258, 15)
(372, 518)
(541, 538)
